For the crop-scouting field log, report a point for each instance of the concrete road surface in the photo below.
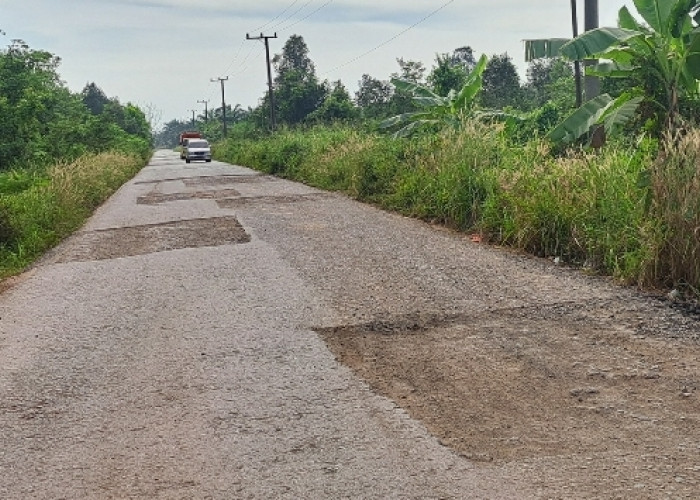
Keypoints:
(167, 350)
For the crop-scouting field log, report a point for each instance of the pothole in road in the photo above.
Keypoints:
(152, 238)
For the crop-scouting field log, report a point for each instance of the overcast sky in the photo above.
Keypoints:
(163, 53)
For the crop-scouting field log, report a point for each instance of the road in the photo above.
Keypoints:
(188, 343)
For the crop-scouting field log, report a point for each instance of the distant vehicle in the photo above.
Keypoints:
(196, 149)
(189, 135)
(184, 137)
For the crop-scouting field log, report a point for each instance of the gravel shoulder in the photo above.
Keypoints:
(217, 333)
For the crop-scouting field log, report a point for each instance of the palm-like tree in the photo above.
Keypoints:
(436, 110)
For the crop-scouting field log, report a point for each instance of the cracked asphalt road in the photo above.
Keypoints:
(214, 333)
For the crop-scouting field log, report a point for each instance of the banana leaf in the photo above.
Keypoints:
(693, 60)
(581, 120)
(626, 20)
(472, 86)
(595, 42)
(620, 111)
(544, 48)
(412, 87)
(412, 127)
(659, 14)
(611, 69)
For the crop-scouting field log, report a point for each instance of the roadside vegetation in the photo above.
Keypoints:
(468, 145)
(587, 208)
(61, 154)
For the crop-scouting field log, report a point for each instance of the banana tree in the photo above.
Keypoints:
(435, 109)
(666, 47)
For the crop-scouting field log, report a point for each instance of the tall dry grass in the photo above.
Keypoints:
(594, 209)
(56, 203)
(675, 205)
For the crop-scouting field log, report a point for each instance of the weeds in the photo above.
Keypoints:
(45, 207)
(674, 242)
(617, 211)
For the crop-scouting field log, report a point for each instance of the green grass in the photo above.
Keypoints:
(624, 211)
(39, 208)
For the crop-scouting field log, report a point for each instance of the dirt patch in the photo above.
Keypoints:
(219, 180)
(158, 198)
(229, 202)
(140, 240)
(595, 393)
(211, 180)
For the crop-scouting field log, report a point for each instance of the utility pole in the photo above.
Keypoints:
(206, 111)
(592, 83)
(193, 112)
(577, 63)
(223, 100)
(269, 74)
(591, 22)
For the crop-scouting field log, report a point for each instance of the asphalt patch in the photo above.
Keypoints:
(158, 198)
(140, 240)
(230, 202)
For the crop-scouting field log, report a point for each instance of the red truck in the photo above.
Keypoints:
(184, 136)
(189, 135)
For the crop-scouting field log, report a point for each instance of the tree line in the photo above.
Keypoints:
(648, 70)
(301, 98)
(43, 122)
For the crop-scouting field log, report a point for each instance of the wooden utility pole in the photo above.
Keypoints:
(193, 112)
(269, 74)
(223, 100)
(206, 110)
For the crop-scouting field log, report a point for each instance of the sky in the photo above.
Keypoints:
(162, 54)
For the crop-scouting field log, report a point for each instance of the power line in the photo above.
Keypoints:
(292, 14)
(238, 52)
(243, 66)
(285, 28)
(387, 42)
(277, 16)
(244, 63)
